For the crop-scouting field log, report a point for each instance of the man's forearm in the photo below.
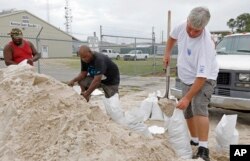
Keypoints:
(94, 84)
(10, 63)
(169, 46)
(36, 57)
(80, 76)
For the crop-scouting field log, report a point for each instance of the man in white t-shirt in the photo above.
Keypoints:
(197, 70)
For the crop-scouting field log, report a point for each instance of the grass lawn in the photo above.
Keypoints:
(150, 66)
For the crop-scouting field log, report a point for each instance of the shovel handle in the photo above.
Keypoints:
(167, 81)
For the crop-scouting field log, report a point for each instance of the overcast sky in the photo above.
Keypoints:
(127, 17)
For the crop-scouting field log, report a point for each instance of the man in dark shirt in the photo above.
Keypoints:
(97, 70)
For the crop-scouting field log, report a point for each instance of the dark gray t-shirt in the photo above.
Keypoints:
(101, 64)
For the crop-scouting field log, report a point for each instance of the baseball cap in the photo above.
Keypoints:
(16, 32)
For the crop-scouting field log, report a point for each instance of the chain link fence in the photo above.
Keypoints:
(51, 62)
(124, 45)
(64, 67)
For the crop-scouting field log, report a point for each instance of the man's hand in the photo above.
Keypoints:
(166, 60)
(30, 61)
(183, 103)
(86, 96)
(71, 83)
(195, 88)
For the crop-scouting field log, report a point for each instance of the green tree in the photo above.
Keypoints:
(232, 24)
(241, 23)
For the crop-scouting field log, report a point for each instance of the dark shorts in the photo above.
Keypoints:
(109, 90)
(199, 103)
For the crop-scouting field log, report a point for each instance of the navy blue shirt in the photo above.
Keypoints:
(102, 65)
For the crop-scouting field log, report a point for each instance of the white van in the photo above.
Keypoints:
(233, 82)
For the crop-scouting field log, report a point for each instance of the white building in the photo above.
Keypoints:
(48, 39)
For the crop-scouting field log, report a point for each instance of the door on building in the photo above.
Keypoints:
(45, 51)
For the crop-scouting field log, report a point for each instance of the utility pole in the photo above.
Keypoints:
(48, 14)
(68, 17)
(101, 38)
(153, 48)
(162, 37)
(101, 33)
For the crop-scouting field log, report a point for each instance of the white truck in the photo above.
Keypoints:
(136, 55)
(111, 53)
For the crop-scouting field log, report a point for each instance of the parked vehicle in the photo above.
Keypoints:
(233, 82)
(1, 54)
(111, 53)
(136, 55)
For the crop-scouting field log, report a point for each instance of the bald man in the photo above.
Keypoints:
(97, 70)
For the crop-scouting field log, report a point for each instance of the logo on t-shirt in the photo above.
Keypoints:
(188, 52)
(201, 70)
(91, 71)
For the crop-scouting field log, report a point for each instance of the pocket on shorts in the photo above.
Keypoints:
(208, 89)
(208, 93)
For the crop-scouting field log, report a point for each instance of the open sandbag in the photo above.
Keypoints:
(178, 135)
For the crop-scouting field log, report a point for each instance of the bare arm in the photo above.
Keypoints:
(8, 56)
(195, 88)
(35, 54)
(169, 46)
(94, 84)
(80, 76)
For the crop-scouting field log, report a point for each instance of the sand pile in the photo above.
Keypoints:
(44, 119)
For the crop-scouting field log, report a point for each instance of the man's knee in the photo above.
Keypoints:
(110, 90)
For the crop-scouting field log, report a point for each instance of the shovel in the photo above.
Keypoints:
(167, 82)
(166, 103)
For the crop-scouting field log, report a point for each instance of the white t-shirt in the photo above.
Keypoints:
(196, 56)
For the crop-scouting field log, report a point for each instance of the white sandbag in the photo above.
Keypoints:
(113, 109)
(23, 63)
(134, 116)
(226, 133)
(156, 112)
(78, 90)
(166, 122)
(134, 121)
(178, 135)
(141, 128)
(150, 107)
(146, 106)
